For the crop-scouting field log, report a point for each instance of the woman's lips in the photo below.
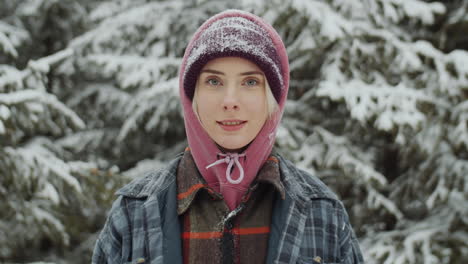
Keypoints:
(231, 125)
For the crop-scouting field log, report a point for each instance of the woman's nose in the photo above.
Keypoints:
(231, 100)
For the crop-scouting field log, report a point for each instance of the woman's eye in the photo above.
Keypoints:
(251, 82)
(213, 82)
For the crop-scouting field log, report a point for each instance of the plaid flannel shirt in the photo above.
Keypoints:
(213, 234)
(309, 226)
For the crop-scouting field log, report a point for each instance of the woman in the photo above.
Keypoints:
(228, 198)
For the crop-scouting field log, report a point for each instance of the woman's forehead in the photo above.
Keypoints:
(231, 66)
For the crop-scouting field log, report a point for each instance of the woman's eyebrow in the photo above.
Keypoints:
(213, 71)
(242, 74)
(251, 73)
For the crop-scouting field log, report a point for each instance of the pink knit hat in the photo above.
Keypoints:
(233, 33)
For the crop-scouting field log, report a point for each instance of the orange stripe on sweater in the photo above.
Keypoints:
(195, 187)
(274, 159)
(201, 235)
(237, 231)
(251, 230)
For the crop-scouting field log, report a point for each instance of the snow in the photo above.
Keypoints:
(394, 105)
(415, 239)
(48, 162)
(204, 45)
(2, 128)
(460, 133)
(118, 27)
(31, 7)
(390, 12)
(41, 262)
(132, 70)
(151, 100)
(377, 200)
(398, 10)
(44, 216)
(49, 192)
(460, 60)
(418, 237)
(50, 100)
(421, 10)
(111, 8)
(10, 76)
(334, 151)
(34, 107)
(43, 65)
(4, 112)
(284, 138)
(80, 166)
(333, 25)
(39, 66)
(11, 37)
(377, 113)
(7, 46)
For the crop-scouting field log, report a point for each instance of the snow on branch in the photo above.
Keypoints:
(26, 106)
(35, 157)
(459, 116)
(43, 64)
(134, 71)
(449, 176)
(420, 242)
(102, 98)
(43, 99)
(376, 200)
(324, 149)
(398, 10)
(40, 187)
(159, 161)
(451, 69)
(88, 140)
(11, 37)
(44, 217)
(457, 62)
(390, 105)
(11, 79)
(126, 27)
(111, 8)
(367, 89)
(332, 25)
(158, 101)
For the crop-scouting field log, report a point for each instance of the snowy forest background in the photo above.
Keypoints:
(377, 109)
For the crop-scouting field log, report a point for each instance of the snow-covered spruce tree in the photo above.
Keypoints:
(373, 102)
(376, 109)
(124, 80)
(379, 112)
(48, 199)
(120, 79)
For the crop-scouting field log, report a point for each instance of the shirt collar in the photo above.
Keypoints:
(270, 173)
(190, 182)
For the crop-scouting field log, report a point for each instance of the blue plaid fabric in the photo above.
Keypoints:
(309, 226)
(312, 224)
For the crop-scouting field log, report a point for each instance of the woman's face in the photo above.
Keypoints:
(231, 101)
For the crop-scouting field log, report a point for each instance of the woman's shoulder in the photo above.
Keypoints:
(151, 182)
(302, 185)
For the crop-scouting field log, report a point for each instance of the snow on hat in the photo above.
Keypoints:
(241, 34)
(234, 36)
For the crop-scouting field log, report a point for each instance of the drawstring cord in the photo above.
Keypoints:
(230, 159)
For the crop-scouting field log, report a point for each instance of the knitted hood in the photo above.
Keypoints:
(241, 34)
